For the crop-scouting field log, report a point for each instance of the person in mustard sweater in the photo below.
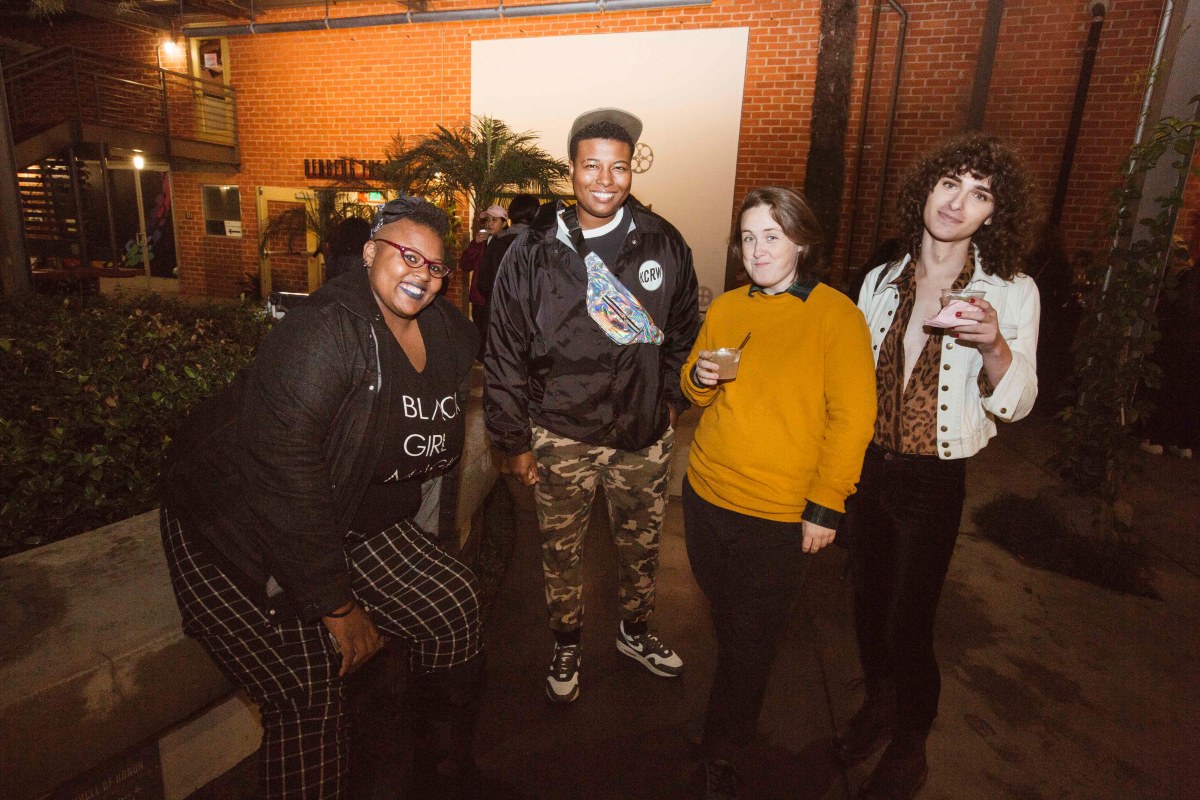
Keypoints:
(777, 452)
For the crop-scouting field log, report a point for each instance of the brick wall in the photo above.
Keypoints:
(95, 35)
(347, 92)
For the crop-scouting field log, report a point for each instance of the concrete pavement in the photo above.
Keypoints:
(1052, 688)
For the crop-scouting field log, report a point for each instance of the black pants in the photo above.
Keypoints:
(1175, 420)
(479, 315)
(902, 525)
(750, 570)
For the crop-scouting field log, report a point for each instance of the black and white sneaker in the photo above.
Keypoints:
(650, 652)
(562, 681)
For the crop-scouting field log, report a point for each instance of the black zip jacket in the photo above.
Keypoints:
(267, 475)
(549, 363)
(493, 255)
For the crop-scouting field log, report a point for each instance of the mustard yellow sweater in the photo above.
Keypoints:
(791, 430)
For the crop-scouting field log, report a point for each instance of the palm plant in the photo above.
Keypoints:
(479, 160)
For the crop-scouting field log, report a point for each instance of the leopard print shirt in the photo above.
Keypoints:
(907, 419)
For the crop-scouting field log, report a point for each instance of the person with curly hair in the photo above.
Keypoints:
(954, 328)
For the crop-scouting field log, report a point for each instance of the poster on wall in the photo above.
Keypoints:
(160, 224)
(156, 210)
(686, 86)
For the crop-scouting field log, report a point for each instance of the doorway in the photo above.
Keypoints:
(288, 241)
(214, 98)
(296, 224)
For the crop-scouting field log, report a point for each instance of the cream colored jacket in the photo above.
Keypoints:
(966, 420)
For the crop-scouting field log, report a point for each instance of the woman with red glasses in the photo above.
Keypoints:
(302, 509)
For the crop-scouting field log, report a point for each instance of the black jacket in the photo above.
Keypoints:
(548, 362)
(267, 475)
(493, 255)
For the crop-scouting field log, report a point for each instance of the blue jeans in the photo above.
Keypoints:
(902, 524)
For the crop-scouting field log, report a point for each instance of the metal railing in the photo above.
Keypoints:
(66, 84)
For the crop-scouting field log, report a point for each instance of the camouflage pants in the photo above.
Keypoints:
(635, 489)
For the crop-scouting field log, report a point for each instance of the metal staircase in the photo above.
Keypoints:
(72, 111)
(65, 97)
(48, 208)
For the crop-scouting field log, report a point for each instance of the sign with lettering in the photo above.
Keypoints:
(136, 775)
(341, 168)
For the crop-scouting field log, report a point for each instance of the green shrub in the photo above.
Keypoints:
(91, 390)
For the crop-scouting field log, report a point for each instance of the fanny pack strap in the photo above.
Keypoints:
(611, 306)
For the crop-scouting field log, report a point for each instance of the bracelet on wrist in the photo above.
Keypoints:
(339, 614)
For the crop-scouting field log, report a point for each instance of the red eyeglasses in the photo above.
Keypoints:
(415, 260)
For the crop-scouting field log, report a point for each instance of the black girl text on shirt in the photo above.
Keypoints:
(425, 450)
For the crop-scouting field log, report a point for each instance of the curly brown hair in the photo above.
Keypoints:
(1001, 244)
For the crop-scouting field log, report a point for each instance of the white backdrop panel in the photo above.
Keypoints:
(685, 85)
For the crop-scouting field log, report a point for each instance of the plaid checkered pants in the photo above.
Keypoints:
(413, 591)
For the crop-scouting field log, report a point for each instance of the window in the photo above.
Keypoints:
(222, 210)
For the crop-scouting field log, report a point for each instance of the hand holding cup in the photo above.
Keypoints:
(954, 303)
(970, 296)
(717, 366)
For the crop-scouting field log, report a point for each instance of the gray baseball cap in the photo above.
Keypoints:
(622, 119)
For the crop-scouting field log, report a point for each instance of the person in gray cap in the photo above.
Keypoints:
(593, 313)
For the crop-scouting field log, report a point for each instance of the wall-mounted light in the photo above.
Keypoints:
(144, 255)
(171, 48)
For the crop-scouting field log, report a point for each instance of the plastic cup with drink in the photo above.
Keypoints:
(954, 303)
(965, 295)
(727, 360)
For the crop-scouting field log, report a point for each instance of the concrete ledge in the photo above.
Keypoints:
(93, 660)
(138, 285)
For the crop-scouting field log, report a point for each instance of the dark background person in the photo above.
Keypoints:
(1174, 424)
(492, 223)
(592, 316)
(1051, 269)
(344, 251)
(521, 212)
(301, 508)
(777, 451)
(940, 391)
(886, 251)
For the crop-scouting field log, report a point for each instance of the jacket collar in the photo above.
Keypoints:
(797, 289)
(549, 226)
(353, 291)
(896, 267)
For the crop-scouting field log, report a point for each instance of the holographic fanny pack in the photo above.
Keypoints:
(615, 309)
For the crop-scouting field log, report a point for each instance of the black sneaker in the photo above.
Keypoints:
(649, 651)
(868, 730)
(562, 682)
(720, 780)
(901, 771)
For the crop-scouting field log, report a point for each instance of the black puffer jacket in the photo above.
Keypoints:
(266, 476)
(548, 362)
